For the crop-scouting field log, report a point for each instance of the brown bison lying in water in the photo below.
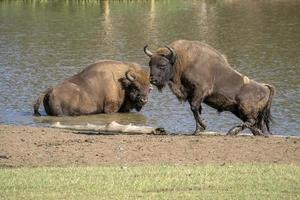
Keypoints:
(103, 87)
(198, 73)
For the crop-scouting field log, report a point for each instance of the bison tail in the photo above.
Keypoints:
(38, 102)
(265, 115)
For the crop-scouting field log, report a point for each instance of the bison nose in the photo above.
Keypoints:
(143, 100)
(150, 87)
(153, 81)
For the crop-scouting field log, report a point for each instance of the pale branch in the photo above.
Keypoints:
(112, 128)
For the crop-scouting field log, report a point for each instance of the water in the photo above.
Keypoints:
(43, 42)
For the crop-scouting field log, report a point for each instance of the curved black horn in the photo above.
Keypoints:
(172, 55)
(147, 51)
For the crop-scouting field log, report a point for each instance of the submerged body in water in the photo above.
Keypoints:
(103, 87)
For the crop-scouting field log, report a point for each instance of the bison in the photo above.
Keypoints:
(104, 87)
(196, 72)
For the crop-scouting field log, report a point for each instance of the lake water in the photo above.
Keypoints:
(43, 42)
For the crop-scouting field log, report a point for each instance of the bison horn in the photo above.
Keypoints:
(130, 76)
(172, 55)
(147, 51)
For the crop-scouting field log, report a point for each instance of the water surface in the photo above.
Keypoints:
(43, 42)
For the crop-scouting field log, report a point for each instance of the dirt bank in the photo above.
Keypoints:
(30, 146)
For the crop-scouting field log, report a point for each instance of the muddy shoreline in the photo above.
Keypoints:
(23, 146)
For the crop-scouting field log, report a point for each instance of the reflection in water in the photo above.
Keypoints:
(107, 24)
(151, 25)
(106, 11)
(43, 42)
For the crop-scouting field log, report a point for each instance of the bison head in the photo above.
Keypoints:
(137, 87)
(161, 65)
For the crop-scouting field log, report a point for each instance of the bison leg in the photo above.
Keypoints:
(200, 126)
(248, 124)
(237, 129)
(196, 109)
(179, 92)
(256, 131)
(262, 129)
(259, 129)
(252, 125)
(111, 107)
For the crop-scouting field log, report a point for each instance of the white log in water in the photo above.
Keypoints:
(112, 128)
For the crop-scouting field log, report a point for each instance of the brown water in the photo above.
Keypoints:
(43, 42)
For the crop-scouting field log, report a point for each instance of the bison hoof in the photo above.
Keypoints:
(257, 132)
(36, 114)
(160, 131)
(199, 131)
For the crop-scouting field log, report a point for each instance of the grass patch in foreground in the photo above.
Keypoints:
(153, 182)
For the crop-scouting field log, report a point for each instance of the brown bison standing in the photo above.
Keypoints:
(198, 73)
(103, 87)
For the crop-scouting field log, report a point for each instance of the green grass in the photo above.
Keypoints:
(153, 182)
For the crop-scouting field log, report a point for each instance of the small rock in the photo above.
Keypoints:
(4, 157)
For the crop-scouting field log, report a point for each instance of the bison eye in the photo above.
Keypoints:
(163, 66)
(133, 90)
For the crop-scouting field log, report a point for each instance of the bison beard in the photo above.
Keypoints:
(196, 72)
(160, 87)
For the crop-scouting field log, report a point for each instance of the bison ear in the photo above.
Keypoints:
(130, 76)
